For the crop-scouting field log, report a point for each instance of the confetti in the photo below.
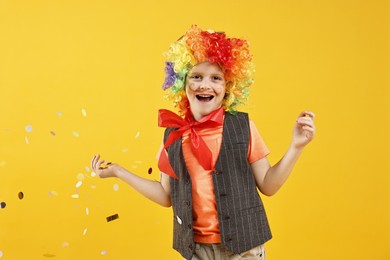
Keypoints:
(104, 166)
(87, 169)
(116, 187)
(93, 174)
(49, 255)
(87, 211)
(53, 193)
(84, 112)
(150, 170)
(27, 142)
(125, 150)
(2, 163)
(3, 204)
(78, 184)
(112, 217)
(137, 135)
(20, 195)
(65, 244)
(85, 232)
(179, 220)
(80, 176)
(29, 128)
(52, 133)
(76, 134)
(104, 252)
(1, 253)
(75, 196)
(93, 186)
(59, 113)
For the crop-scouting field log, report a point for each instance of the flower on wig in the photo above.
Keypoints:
(197, 46)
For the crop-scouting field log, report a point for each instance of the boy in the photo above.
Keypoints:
(213, 159)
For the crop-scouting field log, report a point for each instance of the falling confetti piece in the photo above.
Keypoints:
(29, 128)
(87, 211)
(179, 220)
(59, 113)
(85, 232)
(84, 112)
(87, 169)
(2, 163)
(53, 193)
(125, 150)
(20, 195)
(78, 184)
(1, 253)
(27, 142)
(93, 174)
(150, 170)
(3, 204)
(112, 217)
(80, 176)
(76, 134)
(75, 196)
(65, 244)
(49, 255)
(116, 187)
(104, 252)
(52, 133)
(137, 135)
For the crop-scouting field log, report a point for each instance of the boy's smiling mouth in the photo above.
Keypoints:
(204, 97)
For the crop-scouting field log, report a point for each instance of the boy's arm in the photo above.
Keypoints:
(158, 192)
(270, 179)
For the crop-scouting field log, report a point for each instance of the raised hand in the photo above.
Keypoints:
(304, 129)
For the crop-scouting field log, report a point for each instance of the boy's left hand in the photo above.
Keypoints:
(304, 129)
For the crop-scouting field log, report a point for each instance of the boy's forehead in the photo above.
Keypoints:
(207, 67)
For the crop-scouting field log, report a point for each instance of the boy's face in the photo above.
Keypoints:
(205, 89)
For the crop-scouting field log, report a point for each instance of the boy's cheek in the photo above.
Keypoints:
(192, 86)
(219, 89)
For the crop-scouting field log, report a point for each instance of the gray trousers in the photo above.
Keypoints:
(220, 252)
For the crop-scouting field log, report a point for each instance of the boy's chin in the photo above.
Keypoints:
(204, 112)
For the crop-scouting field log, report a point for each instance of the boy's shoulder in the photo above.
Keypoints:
(237, 114)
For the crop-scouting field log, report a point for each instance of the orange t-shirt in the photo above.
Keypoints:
(205, 215)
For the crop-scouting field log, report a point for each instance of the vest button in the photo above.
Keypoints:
(227, 217)
(229, 239)
(188, 181)
(189, 226)
(187, 203)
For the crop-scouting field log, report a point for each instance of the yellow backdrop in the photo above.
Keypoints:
(83, 77)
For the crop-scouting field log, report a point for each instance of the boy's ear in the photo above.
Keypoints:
(229, 85)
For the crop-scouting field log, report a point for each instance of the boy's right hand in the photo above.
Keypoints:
(102, 168)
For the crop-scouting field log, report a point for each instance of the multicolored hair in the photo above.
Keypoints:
(197, 46)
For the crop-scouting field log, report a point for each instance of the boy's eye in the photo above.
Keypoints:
(217, 78)
(195, 77)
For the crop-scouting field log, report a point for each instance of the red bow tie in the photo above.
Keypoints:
(201, 151)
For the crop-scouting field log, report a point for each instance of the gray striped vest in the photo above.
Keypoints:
(242, 219)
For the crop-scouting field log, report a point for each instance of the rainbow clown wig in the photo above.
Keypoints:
(197, 46)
